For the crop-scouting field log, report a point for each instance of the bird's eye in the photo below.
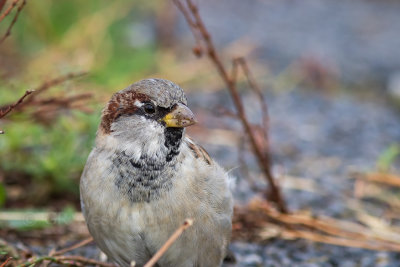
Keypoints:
(149, 108)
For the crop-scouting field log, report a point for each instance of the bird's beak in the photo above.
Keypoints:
(180, 116)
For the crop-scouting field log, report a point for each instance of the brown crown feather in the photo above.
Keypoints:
(120, 103)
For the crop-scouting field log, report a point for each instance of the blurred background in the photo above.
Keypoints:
(330, 71)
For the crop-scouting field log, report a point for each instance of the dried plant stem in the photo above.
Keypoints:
(5, 263)
(8, 109)
(241, 62)
(187, 223)
(192, 16)
(192, 26)
(64, 102)
(2, 3)
(60, 101)
(48, 84)
(38, 90)
(66, 260)
(338, 241)
(84, 260)
(381, 178)
(78, 245)
(258, 216)
(8, 32)
(9, 9)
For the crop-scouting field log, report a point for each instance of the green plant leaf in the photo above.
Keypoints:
(2, 195)
(388, 156)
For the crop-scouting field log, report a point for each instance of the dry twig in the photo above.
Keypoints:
(69, 260)
(251, 221)
(6, 261)
(9, 9)
(203, 39)
(49, 104)
(65, 260)
(8, 32)
(2, 3)
(48, 84)
(381, 178)
(187, 223)
(241, 62)
(41, 88)
(78, 245)
(47, 108)
(5, 110)
(339, 241)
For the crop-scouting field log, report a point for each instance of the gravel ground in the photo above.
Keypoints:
(302, 253)
(318, 138)
(313, 136)
(359, 38)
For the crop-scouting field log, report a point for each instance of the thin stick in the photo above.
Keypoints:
(66, 260)
(380, 246)
(78, 245)
(196, 24)
(46, 85)
(2, 3)
(6, 110)
(8, 32)
(198, 49)
(8, 10)
(83, 260)
(381, 178)
(187, 223)
(324, 229)
(5, 263)
(240, 61)
(59, 101)
(38, 90)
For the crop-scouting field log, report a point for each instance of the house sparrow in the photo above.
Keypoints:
(145, 177)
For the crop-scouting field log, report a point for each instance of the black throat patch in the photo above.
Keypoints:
(173, 139)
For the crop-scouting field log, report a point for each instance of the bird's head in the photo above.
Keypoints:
(145, 118)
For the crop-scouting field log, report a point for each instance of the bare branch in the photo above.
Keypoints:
(83, 260)
(258, 218)
(8, 32)
(240, 61)
(2, 3)
(78, 245)
(187, 223)
(192, 16)
(380, 178)
(55, 102)
(48, 84)
(5, 263)
(8, 109)
(9, 9)
(66, 260)
(198, 49)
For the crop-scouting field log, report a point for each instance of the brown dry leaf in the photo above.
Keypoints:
(256, 220)
(382, 178)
